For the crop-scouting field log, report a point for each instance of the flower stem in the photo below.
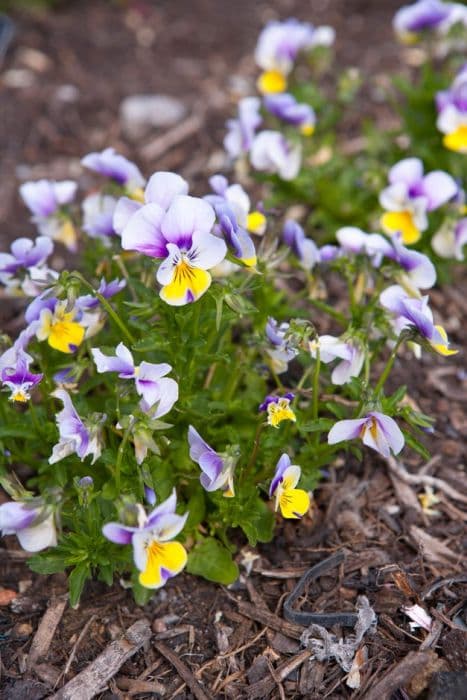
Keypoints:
(113, 315)
(315, 396)
(120, 453)
(387, 369)
(322, 306)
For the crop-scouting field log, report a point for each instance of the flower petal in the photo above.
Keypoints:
(294, 503)
(185, 217)
(345, 430)
(163, 187)
(142, 232)
(118, 533)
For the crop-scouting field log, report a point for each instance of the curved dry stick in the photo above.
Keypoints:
(424, 480)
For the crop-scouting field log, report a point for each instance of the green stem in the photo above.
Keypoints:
(113, 315)
(322, 306)
(254, 452)
(387, 369)
(120, 453)
(315, 395)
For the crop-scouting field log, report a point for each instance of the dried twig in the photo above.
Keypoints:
(46, 630)
(270, 620)
(262, 688)
(400, 675)
(82, 634)
(160, 145)
(183, 671)
(94, 678)
(424, 480)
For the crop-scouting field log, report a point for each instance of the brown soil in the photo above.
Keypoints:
(395, 554)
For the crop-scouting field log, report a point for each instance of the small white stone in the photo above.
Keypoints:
(141, 113)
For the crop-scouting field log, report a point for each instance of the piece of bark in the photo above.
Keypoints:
(400, 675)
(263, 688)
(46, 630)
(433, 550)
(94, 678)
(270, 620)
(182, 670)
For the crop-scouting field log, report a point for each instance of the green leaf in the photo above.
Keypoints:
(76, 581)
(416, 445)
(47, 563)
(196, 507)
(211, 560)
(316, 426)
(257, 522)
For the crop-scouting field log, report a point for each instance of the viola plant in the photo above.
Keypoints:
(201, 340)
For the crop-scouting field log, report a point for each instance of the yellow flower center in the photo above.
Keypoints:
(280, 411)
(271, 81)
(256, 222)
(402, 221)
(457, 140)
(168, 556)
(186, 281)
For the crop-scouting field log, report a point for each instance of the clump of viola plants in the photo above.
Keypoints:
(183, 387)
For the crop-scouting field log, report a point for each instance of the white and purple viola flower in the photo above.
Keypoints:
(353, 240)
(452, 112)
(111, 164)
(235, 197)
(418, 270)
(286, 108)
(24, 267)
(278, 409)
(154, 555)
(450, 240)
(217, 470)
(424, 15)
(414, 313)
(18, 379)
(46, 200)
(177, 229)
(283, 350)
(293, 502)
(33, 523)
(411, 195)
(348, 351)
(98, 211)
(304, 248)
(76, 436)
(278, 46)
(150, 380)
(272, 153)
(241, 131)
(376, 430)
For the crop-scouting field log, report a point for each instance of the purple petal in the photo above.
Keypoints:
(118, 533)
(346, 430)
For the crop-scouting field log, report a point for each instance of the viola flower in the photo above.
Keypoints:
(31, 522)
(272, 153)
(150, 380)
(410, 20)
(304, 248)
(419, 271)
(46, 200)
(235, 197)
(111, 164)
(376, 430)
(450, 240)
(154, 555)
(278, 409)
(293, 503)
(452, 112)
(278, 46)
(411, 195)
(182, 237)
(284, 350)
(98, 212)
(25, 254)
(59, 327)
(76, 435)
(348, 351)
(241, 131)
(415, 313)
(286, 108)
(355, 241)
(217, 470)
(19, 380)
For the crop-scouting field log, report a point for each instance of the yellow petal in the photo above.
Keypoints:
(256, 222)
(271, 81)
(277, 412)
(307, 129)
(394, 221)
(443, 349)
(170, 556)
(188, 284)
(294, 503)
(457, 140)
(137, 194)
(66, 336)
(67, 235)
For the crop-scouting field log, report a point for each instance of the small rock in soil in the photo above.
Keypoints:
(141, 113)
